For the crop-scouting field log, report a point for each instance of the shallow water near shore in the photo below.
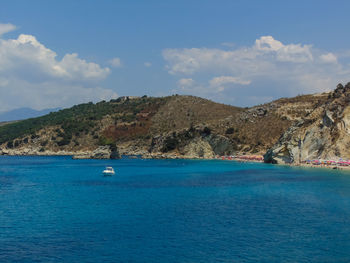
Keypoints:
(54, 209)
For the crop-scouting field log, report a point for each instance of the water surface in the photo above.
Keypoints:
(54, 209)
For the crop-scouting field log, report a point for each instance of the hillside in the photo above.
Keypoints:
(181, 126)
(322, 133)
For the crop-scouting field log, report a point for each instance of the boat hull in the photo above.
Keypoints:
(108, 173)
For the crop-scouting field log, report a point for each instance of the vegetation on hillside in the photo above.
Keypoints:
(139, 120)
(77, 120)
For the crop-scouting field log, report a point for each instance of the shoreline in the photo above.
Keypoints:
(176, 157)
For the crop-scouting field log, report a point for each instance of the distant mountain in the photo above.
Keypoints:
(24, 113)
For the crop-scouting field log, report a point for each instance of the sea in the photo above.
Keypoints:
(55, 209)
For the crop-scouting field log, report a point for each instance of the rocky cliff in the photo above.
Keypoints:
(323, 133)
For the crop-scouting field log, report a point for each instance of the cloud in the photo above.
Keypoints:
(221, 82)
(185, 83)
(257, 59)
(147, 64)
(5, 28)
(288, 53)
(329, 58)
(268, 67)
(116, 62)
(32, 76)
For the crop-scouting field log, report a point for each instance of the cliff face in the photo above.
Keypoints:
(193, 142)
(323, 133)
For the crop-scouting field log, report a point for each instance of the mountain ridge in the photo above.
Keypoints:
(173, 126)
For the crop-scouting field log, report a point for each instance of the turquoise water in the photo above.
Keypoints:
(54, 209)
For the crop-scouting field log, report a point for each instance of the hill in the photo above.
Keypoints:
(173, 126)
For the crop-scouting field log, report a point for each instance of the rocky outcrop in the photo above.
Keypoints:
(198, 148)
(324, 133)
(194, 142)
(102, 152)
(220, 145)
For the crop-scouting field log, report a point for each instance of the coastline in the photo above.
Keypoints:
(239, 159)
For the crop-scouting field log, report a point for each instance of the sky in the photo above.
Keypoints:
(242, 53)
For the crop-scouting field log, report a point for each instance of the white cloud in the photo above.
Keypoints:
(73, 67)
(220, 83)
(32, 76)
(268, 43)
(288, 53)
(116, 62)
(257, 59)
(147, 64)
(276, 68)
(329, 58)
(5, 28)
(185, 83)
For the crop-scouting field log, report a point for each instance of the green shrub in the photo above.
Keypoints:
(44, 143)
(170, 144)
(79, 118)
(206, 131)
(105, 141)
(63, 142)
(17, 142)
(230, 130)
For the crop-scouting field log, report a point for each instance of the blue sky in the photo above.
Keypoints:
(236, 52)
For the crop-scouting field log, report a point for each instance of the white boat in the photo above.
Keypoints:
(108, 171)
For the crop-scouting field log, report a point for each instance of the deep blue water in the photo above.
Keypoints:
(54, 209)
